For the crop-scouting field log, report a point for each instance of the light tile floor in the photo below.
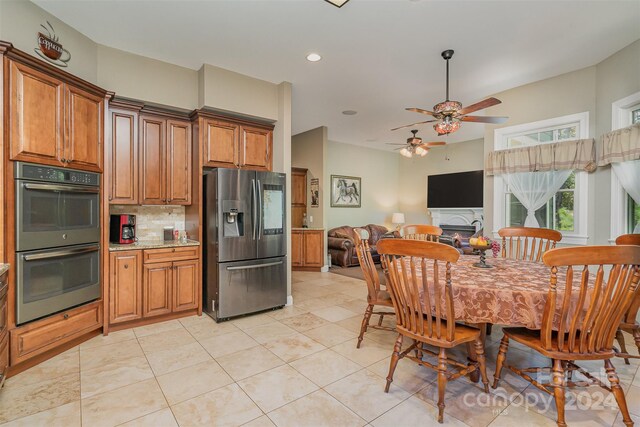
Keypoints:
(291, 367)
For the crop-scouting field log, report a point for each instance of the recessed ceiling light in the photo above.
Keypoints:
(349, 112)
(314, 57)
(338, 3)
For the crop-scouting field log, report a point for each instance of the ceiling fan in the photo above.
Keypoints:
(449, 113)
(414, 145)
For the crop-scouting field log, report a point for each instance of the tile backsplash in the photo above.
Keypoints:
(150, 220)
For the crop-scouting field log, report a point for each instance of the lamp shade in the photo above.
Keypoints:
(397, 218)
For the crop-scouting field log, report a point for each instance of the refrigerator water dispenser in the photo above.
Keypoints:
(233, 219)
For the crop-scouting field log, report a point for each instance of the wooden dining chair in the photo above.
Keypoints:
(420, 286)
(580, 319)
(430, 233)
(629, 321)
(527, 243)
(376, 296)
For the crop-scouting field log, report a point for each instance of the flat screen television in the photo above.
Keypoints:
(455, 190)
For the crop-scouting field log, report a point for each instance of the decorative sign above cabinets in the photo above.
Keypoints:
(50, 49)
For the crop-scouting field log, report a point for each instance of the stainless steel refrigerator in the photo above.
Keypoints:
(245, 242)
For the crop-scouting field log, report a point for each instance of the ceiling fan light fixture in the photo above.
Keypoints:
(421, 151)
(447, 107)
(406, 152)
(446, 127)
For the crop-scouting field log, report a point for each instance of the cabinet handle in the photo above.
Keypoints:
(66, 315)
(173, 250)
(63, 160)
(126, 266)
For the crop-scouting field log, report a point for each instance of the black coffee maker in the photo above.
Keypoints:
(122, 229)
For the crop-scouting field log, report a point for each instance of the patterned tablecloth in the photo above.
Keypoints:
(511, 293)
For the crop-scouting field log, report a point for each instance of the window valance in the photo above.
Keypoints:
(578, 154)
(620, 145)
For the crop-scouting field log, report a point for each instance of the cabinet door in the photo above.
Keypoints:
(314, 248)
(156, 289)
(179, 162)
(152, 161)
(84, 130)
(299, 187)
(255, 148)
(125, 286)
(35, 111)
(221, 141)
(185, 285)
(124, 158)
(297, 248)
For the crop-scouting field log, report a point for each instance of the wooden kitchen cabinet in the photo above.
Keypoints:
(232, 144)
(165, 161)
(156, 289)
(123, 152)
(298, 196)
(307, 249)
(4, 333)
(153, 282)
(125, 292)
(53, 122)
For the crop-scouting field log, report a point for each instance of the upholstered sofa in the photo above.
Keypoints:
(342, 245)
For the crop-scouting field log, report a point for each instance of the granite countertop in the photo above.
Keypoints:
(4, 268)
(308, 228)
(150, 244)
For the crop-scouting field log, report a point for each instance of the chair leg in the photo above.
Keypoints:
(502, 354)
(482, 364)
(489, 327)
(395, 357)
(618, 392)
(380, 320)
(442, 382)
(623, 346)
(636, 338)
(558, 390)
(365, 323)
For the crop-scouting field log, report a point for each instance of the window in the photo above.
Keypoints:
(566, 211)
(625, 212)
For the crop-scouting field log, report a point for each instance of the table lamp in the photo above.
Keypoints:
(398, 219)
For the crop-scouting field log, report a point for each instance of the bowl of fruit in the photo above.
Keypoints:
(480, 245)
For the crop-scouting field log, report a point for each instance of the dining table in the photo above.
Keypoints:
(509, 292)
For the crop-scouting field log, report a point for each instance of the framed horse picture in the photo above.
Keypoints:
(345, 192)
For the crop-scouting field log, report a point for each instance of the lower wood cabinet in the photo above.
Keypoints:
(307, 249)
(153, 282)
(4, 334)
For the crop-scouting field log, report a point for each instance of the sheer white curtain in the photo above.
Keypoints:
(628, 174)
(534, 189)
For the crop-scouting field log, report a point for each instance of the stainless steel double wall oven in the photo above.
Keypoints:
(57, 239)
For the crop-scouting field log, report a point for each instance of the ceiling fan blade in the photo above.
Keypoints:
(413, 124)
(489, 102)
(433, 143)
(421, 111)
(484, 119)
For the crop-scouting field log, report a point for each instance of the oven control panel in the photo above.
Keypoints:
(53, 174)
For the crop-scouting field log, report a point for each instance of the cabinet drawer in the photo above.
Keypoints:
(171, 254)
(40, 336)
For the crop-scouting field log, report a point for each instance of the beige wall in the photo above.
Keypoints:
(459, 157)
(379, 171)
(230, 91)
(20, 22)
(138, 77)
(308, 150)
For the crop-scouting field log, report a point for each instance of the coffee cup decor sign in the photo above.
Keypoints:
(50, 49)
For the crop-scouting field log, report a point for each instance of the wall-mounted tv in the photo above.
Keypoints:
(455, 190)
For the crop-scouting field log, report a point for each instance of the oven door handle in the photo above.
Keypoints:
(58, 254)
(66, 188)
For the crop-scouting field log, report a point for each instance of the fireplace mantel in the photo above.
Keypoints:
(459, 216)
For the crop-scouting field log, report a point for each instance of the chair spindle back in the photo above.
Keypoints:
(414, 273)
(590, 313)
(632, 313)
(527, 243)
(430, 233)
(367, 265)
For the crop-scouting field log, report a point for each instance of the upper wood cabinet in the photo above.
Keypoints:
(53, 122)
(123, 152)
(165, 161)
(298, 187)
(237, 145)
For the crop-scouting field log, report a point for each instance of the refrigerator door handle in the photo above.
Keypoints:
(260, 210)
(252, 267)
(254, 215)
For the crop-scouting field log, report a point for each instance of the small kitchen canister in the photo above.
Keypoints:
(168, 234)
